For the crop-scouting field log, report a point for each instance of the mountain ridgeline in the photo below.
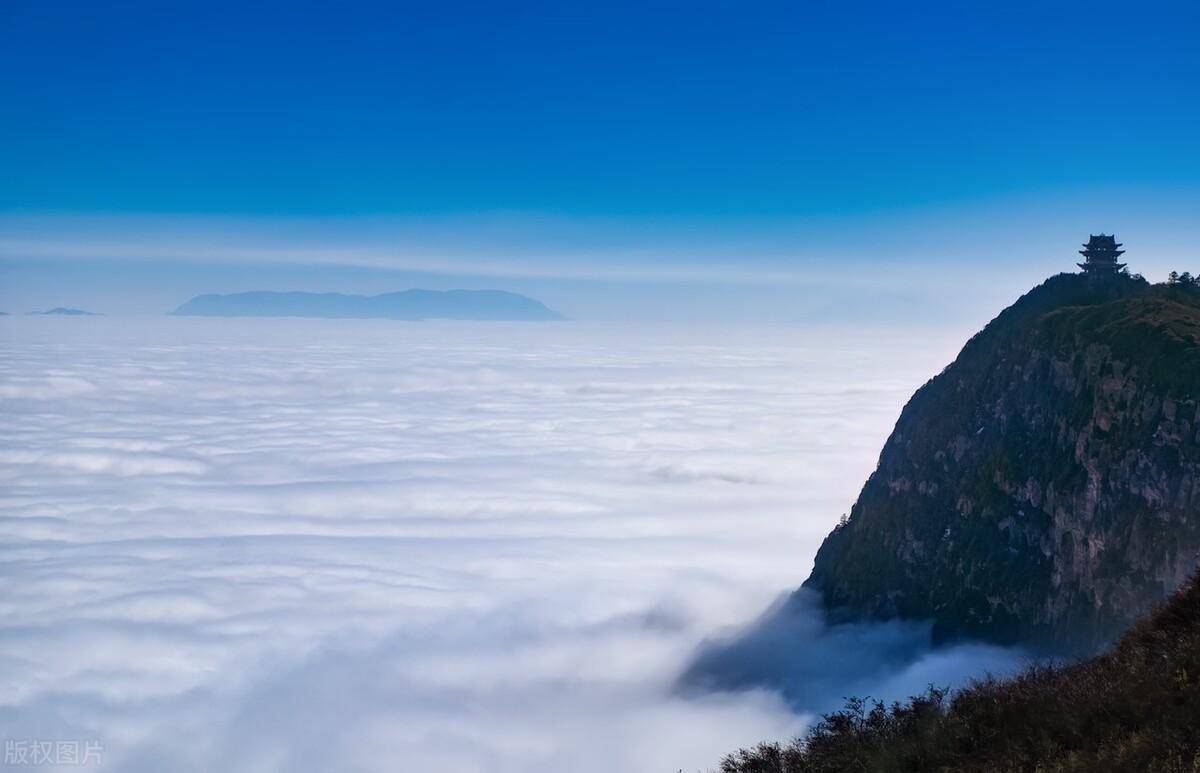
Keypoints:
(1044, 488)
(489, 305)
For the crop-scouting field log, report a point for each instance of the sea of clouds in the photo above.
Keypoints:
(297, 545)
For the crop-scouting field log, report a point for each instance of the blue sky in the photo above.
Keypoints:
(639, 132)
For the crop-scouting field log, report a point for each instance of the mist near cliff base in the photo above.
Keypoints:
(815, 666)
(298, 545)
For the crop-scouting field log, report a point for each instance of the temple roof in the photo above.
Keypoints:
(1102, 242)
(1103, 246)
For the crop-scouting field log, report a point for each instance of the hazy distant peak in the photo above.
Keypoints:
(415, 304)
(63, 311)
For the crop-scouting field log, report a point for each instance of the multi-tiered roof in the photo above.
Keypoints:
(1101, 253)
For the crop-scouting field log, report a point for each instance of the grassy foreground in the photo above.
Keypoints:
(1134, 708)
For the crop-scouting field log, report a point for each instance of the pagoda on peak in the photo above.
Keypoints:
(1101, 253)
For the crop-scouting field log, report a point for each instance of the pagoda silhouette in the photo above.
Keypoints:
(1101, 253)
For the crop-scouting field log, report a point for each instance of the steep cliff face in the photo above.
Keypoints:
(1045, 487)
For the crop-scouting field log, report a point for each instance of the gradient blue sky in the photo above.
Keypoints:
(600, 153)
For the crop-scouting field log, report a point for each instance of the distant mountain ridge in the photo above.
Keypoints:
(62, 311)
(416, 304)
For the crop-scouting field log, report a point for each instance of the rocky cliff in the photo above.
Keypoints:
(1045, 487)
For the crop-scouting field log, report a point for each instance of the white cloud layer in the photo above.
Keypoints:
(284, 545)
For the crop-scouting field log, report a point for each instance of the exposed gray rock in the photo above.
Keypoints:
(1042, 488)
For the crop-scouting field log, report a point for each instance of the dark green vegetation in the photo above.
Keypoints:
(1045, 487)
(1134, 708)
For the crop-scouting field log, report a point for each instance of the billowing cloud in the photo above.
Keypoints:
(816, 666)
(298, 545)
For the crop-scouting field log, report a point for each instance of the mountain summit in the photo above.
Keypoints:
(407, 305)
(62, 311)
(1045, 487)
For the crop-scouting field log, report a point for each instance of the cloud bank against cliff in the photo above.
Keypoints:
(815, 666)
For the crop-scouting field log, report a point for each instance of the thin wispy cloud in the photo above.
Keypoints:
(504, 245)
(901, 248)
